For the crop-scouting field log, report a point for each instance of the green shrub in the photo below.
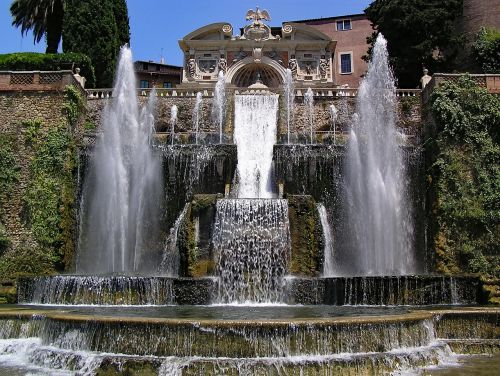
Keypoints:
(486, 50)
(21, 61)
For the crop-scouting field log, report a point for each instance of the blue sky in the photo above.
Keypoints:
(157, 25)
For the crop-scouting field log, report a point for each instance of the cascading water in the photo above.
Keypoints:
(252, 248)
(121, 200)
(197, 115)
(173, 121)
(333, 118)
(309, 102)
(255, 135)
(171, 258)
(219, 105)
(379, 215)
(328, 263)
(289, 91)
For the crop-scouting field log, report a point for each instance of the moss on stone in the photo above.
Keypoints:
(306, 236)
(203, 201)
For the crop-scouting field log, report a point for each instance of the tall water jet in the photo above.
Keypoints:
(289, 91)
(333, 119)
(219, 106)
(328, 263)
(255, 135)
(309, 102)
(121, 199)
(173, 121)
(379, 216)
(197, 115)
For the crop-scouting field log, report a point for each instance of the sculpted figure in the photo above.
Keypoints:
(292, 64)
(191, 67)
(323, 67)
(222, 64)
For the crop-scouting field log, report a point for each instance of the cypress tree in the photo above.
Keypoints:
(97, 28)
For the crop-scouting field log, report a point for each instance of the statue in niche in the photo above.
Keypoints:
(222, 64)
(191, 67)
(323, 67)
(292, 65)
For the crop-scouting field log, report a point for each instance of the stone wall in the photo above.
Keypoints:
(409, 115)
(16, 108)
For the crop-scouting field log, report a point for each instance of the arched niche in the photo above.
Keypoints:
(244, 73)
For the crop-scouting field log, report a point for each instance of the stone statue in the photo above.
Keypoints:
(79, 78)
(292, 64)
(191, 67)
(323, 67)
(222, 64)
(425, 78)
(258, 15)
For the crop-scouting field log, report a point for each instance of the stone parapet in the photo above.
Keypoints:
(37, 80)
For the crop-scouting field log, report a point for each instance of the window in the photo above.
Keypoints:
(167, 85)
(145, 66)
(343, 25)
(144, 84)
(346, 63)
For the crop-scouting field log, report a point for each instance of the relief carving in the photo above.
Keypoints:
(207, 66)
(191, 67)
(292, 65)
(323, 67)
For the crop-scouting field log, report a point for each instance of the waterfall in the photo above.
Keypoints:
(328, 263)
(173, 121)
(255, 135)
(252, 247)
(289, 91)
(309, 102)
(121, 198)
(379, 216)
(197, 115)
(219, 104)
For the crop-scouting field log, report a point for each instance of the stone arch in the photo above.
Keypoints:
(244, 72)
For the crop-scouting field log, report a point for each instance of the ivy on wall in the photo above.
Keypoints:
(465, 178)
(49, 199)
(9, 176)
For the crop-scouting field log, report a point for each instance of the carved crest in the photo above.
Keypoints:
(258, 15)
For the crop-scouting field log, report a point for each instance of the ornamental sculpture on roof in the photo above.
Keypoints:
(257, 30)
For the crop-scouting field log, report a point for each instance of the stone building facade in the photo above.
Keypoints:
(157, 75)
(350, 33)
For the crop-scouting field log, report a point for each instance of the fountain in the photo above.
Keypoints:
(378, 209)
(309, 103)
(289, 92)
(197, 115)
(122, 195)
(173, 121)
(231, 275)
(219, 106)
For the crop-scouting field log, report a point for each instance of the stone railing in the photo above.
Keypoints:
(489, 81)
(37, 80)
(191, 93)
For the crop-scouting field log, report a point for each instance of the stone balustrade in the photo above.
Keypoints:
(191, 93)
(37, 80)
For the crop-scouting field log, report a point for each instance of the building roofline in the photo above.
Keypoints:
(330, 18)
(156, 63)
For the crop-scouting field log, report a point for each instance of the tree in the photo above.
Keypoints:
(486, 50)
(420, 33)
(97, 28)
(44, 17)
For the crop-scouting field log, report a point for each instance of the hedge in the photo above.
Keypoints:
(21, 61)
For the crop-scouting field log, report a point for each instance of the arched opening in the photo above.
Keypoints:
(247, 75)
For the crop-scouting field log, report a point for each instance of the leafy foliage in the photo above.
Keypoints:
(465, 177)
(486, 50)
(419, 33)
(49, 62)
(98, 28)
(44, 17)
